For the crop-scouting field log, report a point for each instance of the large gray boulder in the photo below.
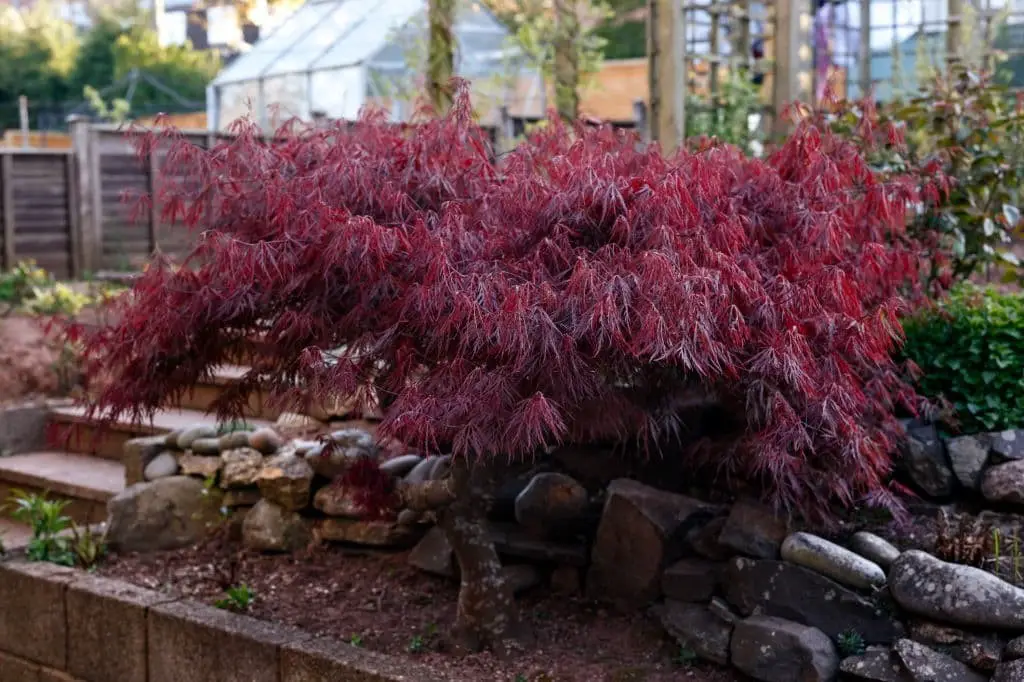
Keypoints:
(877, 664)
(697, 628)
(925, 665)
(1003, 483)
(874, 548)
(1007, 445)
(833, 561)
(978, 650)
(967, 456)
(271, 528)
(640, 533)
(168, 513)
(754, 530)
(551, 501)
(925, 463)
(1009, 671)
(777, 588)
(286, 480)
(953, 593)
(241, 468)
(778, 650)
(162, 466)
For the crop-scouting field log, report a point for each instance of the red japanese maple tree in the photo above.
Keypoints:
(582, 287)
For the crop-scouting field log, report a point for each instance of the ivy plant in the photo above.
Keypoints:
(968, 349)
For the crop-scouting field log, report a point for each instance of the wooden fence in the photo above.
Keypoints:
(66, 208)
(39, 209)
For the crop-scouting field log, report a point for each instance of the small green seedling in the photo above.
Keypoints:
(238, 598)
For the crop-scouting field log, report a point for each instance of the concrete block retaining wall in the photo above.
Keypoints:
(63, 625)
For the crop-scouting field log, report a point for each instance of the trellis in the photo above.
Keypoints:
(793, 48)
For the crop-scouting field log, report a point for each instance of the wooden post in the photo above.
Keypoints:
(506, 131)
(865, 48)
(954, 36)
(87, 192)
(640, 120)
(152, 178)
(74, 226)
(7, 181)
(793, 81)
(666, 54)
(23, 117)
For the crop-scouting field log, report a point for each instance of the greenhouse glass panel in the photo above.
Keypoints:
(375, 31)
(267, 51)
(285, 97)
(237, 100)
(344, 24)
(338, 93)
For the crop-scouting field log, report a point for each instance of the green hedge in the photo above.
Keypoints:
(971, 349)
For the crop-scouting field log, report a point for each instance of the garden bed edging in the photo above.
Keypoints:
(65, 625)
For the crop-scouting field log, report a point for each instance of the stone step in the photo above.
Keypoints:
(85, 482)
(205, 393)
(72, 430)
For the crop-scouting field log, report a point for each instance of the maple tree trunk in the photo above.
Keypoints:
(487, 616)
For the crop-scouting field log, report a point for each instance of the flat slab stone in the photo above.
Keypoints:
(777, 588)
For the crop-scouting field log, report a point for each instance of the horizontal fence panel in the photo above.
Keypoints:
(41, 209)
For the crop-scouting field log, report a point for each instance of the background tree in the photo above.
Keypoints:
(47, 60)
(566, 59)
(440, 52)
(37, 52)
(558, 40)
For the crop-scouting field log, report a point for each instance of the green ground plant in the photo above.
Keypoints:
(55, 537)
(968, 348)
(238, 598)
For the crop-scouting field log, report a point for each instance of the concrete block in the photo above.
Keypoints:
(107, 629)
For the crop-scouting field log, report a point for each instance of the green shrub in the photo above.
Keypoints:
(971, 351)
(20, 283)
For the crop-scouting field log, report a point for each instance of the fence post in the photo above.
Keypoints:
(87, 188)
(640, 120)
(74, 227)
(792, 58)
(667, 66)
(152, 180)
(954, 33)
(7, 182)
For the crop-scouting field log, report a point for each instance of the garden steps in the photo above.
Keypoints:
(85, 482)
(76, 433)
(203, 395)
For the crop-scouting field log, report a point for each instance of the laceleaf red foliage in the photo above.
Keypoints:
(582, 287)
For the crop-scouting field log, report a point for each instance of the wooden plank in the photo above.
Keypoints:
(7, 181)
(94, 244)
(152, 177)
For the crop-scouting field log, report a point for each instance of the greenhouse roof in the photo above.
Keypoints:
(332, 34)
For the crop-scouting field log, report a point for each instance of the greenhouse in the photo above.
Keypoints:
(332, 57)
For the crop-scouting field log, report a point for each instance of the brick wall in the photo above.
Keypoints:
(63, 625)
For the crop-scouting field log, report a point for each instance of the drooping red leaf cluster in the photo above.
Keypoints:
(581, 287)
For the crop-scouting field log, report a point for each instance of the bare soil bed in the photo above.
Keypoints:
(28, 360)
(381, 603)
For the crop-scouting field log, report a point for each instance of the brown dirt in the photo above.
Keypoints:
(28, 360)
(389, 605)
